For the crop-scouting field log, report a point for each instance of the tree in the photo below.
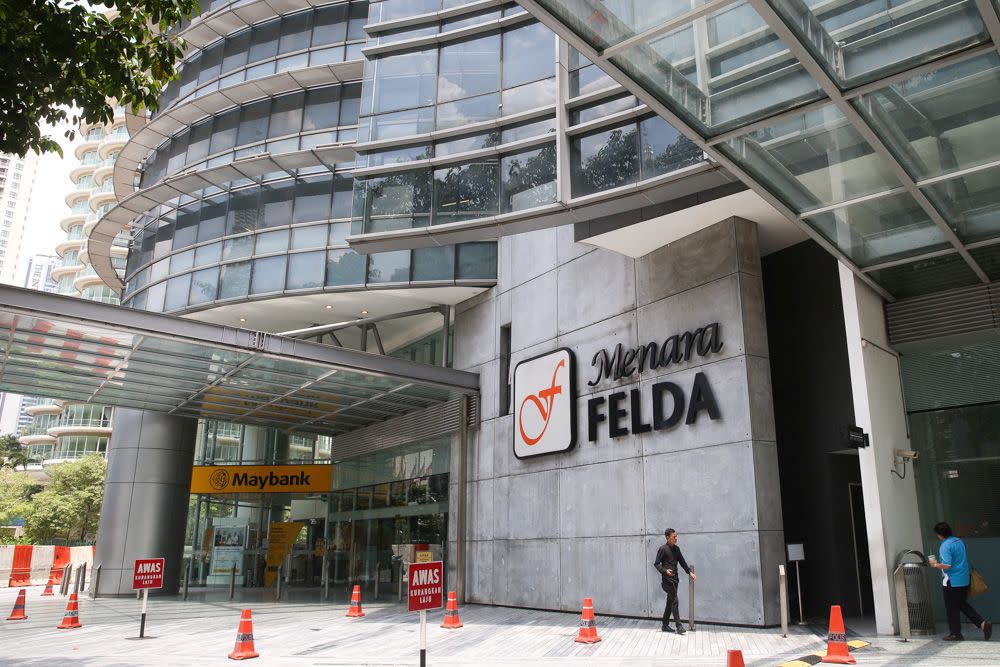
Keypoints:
(69, 508)
(57, 54)
(13, 453)
(15, 492)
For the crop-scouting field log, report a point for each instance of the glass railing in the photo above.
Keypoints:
(82, 423)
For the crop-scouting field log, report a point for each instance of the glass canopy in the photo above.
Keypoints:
(66, 348)
(873, 124)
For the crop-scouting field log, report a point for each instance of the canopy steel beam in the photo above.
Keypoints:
(685, 128)
(819, 73)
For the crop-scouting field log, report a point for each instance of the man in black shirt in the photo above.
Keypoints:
(668, 556)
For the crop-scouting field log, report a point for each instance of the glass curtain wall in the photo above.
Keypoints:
(386, 506)
(383, 507)
(953, 398)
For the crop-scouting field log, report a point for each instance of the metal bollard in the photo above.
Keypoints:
(64, 584)
(77, 584)
(83, 577)
(902, 608)
(232, 583)
(691, 602)
(187, 578)
(783, 598)
(277, 588)
(95, 582)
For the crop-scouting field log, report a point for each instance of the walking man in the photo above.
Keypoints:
(954, 565)
(668, 557)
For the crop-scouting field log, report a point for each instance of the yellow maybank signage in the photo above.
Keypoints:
(261, 479)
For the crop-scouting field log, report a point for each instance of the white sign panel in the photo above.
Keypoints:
(796, 552)
(544, 404)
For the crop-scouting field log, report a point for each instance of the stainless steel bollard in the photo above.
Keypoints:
(277, 588)
(691, 602)
(232, 583)
(64, 584)
(83, 577)
(78, 582)
(95, 582)
(187, 579)
(783, 598)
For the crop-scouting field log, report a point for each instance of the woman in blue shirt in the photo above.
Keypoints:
(954, 566)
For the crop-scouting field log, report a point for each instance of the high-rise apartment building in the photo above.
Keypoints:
(61, 430)
(17, 179)
(522, 285)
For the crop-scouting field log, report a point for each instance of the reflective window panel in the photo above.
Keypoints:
(880, 230)
(812, 160)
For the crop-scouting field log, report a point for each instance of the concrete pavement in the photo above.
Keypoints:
(304, 631)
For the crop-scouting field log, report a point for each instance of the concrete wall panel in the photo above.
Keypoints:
(602, 500)
(594, 287)
(590, 340)
(717, 301)
(587, 522)
(728, 382)
(534, 312)
(706, 255)
(531, 255)
(609, 570)
(476, 345)
(527, 572)
(527, 506)
(710, 489)
(479, 587)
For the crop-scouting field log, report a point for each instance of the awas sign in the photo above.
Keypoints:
(148, 573)
(426, 586)
(544, 405)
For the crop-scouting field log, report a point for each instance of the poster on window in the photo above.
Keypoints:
(229, 542)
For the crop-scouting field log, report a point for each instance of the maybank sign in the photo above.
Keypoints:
(261, 479)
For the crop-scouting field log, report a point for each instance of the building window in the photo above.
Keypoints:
(505, 370)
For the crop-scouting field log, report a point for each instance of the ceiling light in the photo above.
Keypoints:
(329, 307)
(364, 312)
(243, 319)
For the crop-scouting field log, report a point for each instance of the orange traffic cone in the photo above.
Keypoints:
(588, 626)
(735, 658)
(18, 613)
(48, 588)
(451, 620)
(355, 610)
(244, 639)
(72, 618)
(836, 645)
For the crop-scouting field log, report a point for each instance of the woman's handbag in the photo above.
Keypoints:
(977, 585)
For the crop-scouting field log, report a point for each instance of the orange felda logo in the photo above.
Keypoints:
(543, 402)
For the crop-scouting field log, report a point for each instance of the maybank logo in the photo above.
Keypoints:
(544, 404)
(261, 479)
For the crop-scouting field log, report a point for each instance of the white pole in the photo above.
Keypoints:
(142, 622)
(423, 639)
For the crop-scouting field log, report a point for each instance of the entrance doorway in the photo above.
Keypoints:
(371, 544)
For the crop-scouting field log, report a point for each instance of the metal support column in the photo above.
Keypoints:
(460, 531)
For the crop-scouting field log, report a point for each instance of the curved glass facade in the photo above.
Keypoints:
(309, 38)
(299, 120)
(285, 232)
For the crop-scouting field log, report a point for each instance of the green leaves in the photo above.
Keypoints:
(70, 506)
(56, 54)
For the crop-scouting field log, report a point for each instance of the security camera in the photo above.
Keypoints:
(907, 454)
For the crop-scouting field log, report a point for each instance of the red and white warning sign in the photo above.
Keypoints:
(148, 573)
(426, 586)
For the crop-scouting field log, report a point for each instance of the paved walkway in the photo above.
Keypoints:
(304, 632)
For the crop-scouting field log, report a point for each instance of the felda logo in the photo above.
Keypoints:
(544, 403)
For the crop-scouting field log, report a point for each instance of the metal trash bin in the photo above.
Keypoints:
(913, 597)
